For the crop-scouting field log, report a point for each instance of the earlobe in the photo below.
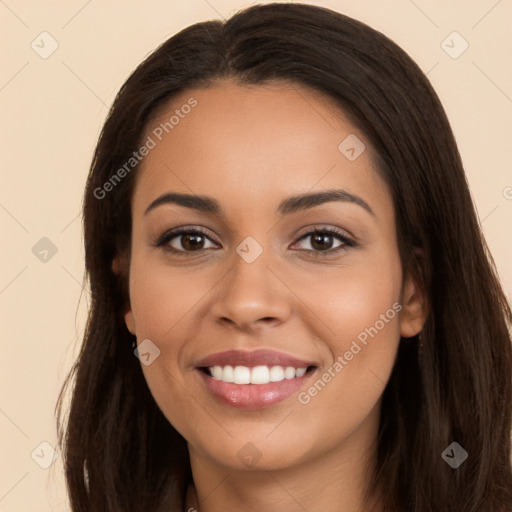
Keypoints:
(414, 309)
(130, 321)
(119, 268)
(116, 265)
(120, 265)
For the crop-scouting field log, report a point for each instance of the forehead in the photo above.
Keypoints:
(255, 142)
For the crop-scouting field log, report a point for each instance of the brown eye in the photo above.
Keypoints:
(321, 241)
(192, 242)
(184, 240)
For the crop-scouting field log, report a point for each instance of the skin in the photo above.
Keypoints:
(250, 147)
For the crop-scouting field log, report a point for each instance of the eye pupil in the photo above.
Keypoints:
(190, 242)
(321, 241)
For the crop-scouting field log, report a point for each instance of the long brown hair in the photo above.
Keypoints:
(120, 452)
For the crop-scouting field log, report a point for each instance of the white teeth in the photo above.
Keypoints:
(289, 373)
(255, 375)
(260, 375)
(242, 375)
(217, 372)
(276, 373)
(228, 374)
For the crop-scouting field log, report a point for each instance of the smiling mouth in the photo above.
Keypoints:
(254, 379)
(254, 387)
(259, 375)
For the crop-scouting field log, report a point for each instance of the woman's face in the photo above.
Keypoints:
(262, 276)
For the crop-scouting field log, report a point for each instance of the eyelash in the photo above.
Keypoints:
(170, 235)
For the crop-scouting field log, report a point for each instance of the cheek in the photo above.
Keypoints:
(352, 299)
(352, 314)
(359, 314)
(162, 300)
(161, 297)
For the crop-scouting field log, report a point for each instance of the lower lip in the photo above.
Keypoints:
(254, 396)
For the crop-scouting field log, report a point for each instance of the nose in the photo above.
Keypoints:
(252, 296)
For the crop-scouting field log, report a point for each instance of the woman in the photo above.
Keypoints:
(293, 306)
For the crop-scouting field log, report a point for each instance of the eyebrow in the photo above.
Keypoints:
(287, 207)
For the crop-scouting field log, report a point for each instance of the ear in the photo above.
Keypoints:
(415, 308)
(120, 268)
(130, 321)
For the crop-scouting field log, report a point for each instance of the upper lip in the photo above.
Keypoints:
(253, 358)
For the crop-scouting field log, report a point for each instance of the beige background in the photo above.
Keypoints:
(52, 110)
